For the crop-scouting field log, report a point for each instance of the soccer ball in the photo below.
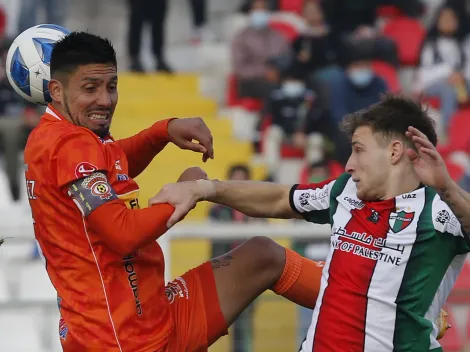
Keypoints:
(28, 61)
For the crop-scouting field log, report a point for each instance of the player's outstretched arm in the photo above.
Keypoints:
(255, 199)
(431, 169)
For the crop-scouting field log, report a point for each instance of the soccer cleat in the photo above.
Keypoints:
(442, 324)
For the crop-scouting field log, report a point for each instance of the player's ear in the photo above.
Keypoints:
(56, 89)
(397, 150)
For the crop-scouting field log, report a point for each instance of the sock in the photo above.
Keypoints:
(300, 280)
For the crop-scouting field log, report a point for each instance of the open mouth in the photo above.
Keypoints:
(99, 116)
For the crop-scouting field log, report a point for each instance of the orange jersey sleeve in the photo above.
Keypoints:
(144, 146)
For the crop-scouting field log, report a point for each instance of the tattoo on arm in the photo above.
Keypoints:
(460, 205)
(221, 261)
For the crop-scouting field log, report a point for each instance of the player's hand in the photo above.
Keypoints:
(428, 163)
(193, 174)
(182, 132)
(182, 195)
(442, 324)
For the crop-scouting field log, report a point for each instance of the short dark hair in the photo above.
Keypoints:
(391, 118)
(239, 167)
(78, 49)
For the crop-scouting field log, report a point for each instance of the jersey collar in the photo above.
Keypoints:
(52, 114)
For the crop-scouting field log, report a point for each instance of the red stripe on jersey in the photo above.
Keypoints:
(314, 185)
(342, 316)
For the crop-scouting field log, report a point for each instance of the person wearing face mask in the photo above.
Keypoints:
(252, 48)
(298, 118)
(355, 89)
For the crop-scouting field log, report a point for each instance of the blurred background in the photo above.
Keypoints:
(272, 79)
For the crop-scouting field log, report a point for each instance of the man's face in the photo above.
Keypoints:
(368, 164)
(239, 175)
(90, 95)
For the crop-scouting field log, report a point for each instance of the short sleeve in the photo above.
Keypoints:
(446, 222)
(312, 201)
(75, 156)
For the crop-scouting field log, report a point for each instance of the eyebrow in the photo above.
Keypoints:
(353, 143)
(94, 79)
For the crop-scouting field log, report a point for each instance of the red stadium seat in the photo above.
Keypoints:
(232, 93)
(434, 102)
(388, 73)
(459, 135)
(285, 28)
(3, 21)
(461, 292)
(291, 5)
(408, 34)
(287, 151)
(388, 11)
(452, 340)
(232, 98)
(456, 171)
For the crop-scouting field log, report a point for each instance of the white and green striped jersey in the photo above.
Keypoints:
(389, 270)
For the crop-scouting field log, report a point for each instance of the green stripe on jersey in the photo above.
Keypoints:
(337, 189)
(429, 260)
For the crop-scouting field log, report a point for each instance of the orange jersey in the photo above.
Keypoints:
(108, 301)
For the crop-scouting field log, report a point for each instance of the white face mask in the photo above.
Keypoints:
(259, 19)
(293, 89)
(361, 77)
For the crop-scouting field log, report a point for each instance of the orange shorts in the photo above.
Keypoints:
(194, 302)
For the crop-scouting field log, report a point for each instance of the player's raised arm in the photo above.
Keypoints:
(431, 169)
(144, 146)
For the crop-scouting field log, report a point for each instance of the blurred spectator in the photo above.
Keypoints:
(297, 117)
(243, 325)
(200, 30)
(462, 10)
(153, 12)
(54, 10)
(273, 5)
(17, 119)
(356, 88)
(315, 48)
(252, 48)
(319, 171)
(353, 24)
(445, 67)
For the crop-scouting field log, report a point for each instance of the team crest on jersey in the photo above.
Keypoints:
(401, 220)
(98, 185)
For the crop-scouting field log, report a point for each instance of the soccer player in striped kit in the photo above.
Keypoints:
(398, 237)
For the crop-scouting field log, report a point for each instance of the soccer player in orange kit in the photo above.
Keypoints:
(100, 247)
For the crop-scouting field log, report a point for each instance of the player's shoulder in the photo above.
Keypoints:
(61, 133)
(443, 218)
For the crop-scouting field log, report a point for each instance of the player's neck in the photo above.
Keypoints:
(401, 181)
(60, 109)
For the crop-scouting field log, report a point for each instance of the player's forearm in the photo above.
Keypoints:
(255, 199)
(125, 230)
(459, 202)
(144, 146)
